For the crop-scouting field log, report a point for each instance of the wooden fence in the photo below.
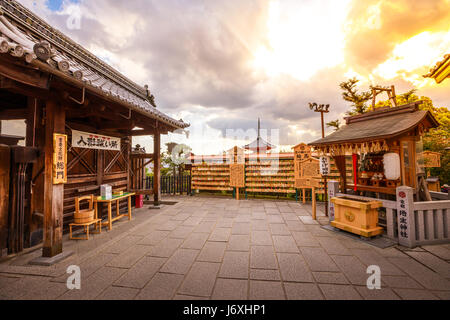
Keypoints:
(410, 223)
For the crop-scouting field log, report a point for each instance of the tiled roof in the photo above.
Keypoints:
(378, 124)
(26, 36)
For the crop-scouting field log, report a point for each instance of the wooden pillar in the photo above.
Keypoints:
(53, 194)
(157, 168)
(31, 121)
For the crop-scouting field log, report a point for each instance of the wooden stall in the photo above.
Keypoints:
(81, 115)
(385, 146)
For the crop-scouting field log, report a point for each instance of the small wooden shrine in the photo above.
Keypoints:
(386, 147)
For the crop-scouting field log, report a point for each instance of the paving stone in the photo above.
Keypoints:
(371, 257)
(180, 262)
(414, 294)
(39, 289)
(333, 246)
(141, 273)
(238, 242)
(285, 244)
(266, 290)
(128, 258)
(169, 225)
(377, 294)
(443, 295)
(200, 280)
(230, 289)
(279, 229)
(295, 226)
(165, 248)
(318, 231)
(181, 217)
(118, 293)
(318, 259)
(259, 216)
(263, 257)
(95, 285)
(181, 232)
(212, 252)
(285, 209)
(195, 241)
(421, 274)
(330, 277)
(205, 227)
(353, 269)
(241, 228)
(7, 280)
(305, 239)
(440, 251)
(154, 238)
(260, 225)
(302, 291)
(262, 274)
(275, 219)
(162, 287)
(261, 238)
(339, 292)
(307, 220)
(225, 223)
(220, 235)
(235, 265)
(294, 268)
(184, 297)
(431, 261)
(122, 244)
(402, 282)
(192, 221)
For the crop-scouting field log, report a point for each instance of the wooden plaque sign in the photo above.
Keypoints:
(432, 159)
(305, 171)
(237, 176)
(59, 158)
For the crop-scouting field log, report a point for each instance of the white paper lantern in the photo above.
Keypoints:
(391, 163)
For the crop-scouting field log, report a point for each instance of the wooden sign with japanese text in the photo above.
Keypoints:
(431, 159)
(94, 141)
(59, 158)
(237, 176)
(305, 172)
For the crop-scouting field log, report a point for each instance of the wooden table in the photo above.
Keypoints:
(115, 199)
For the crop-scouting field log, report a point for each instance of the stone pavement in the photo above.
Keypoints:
(220, 248)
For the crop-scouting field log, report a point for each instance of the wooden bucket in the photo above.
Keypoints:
(84, 216)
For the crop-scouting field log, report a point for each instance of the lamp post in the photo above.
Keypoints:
(322, 108)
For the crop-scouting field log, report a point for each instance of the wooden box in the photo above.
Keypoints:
(357, 216)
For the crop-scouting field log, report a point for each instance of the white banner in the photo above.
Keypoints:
(94, 141)
(325, 166)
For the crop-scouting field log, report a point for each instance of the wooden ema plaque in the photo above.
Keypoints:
(237, 175)
(307, 173)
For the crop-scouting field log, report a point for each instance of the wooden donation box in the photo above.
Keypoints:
(357, 216)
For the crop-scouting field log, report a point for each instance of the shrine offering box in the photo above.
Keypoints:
(357, 216)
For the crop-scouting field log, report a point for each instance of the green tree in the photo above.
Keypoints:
(336, 124)
(175, 158)
(436, 139)
(358, 99)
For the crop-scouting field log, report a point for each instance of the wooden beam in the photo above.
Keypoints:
(13, 114)
(53, 194)
(24, 74)
(157, 168)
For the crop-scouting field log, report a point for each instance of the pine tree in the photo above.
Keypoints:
(357, 99)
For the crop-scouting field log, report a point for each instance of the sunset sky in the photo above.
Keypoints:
(221, 64)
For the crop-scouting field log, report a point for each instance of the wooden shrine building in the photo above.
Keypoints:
(80, 114)
(369, 137)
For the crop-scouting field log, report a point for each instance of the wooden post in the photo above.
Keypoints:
(314, 206)
(53, 194)
(157, 168)
(5, 165)
(237, 193)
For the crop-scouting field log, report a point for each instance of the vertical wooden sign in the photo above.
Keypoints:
(59, 158)
(237, 175)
